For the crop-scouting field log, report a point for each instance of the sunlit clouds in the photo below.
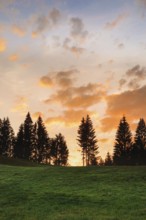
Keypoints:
(2, 45)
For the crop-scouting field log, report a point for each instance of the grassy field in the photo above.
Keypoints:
(72, 193)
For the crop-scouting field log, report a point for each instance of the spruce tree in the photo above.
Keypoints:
(34, 146)
(82, 139)
(0, 137)
(139, 146)
(19, 149)
(123, 144)
(43, 142)
(88, 142)
(28, 137)
(108, 160)
(59, 150)
(7, 138)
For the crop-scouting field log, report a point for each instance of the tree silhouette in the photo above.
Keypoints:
(59, 150)
(0, 137)
(28, 137)
(43, 142)
(123, 144)
(19, 149)
(88, 142)
(7, 138)
(139, 146)
(108, 160)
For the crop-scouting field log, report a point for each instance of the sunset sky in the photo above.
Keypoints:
(64, 59)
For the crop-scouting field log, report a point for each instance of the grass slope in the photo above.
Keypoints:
(72, 193)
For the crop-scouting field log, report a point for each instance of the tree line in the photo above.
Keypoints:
(126, 151)
(33, 143)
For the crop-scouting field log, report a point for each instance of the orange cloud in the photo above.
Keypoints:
(129, 103)
(63, 79)
(13, 57)
(115, 23)
(20, 105)
(74, 49)
(69, 117)
(2, 45)
(78, 97)
(36, 115)
(19, 31)
(46, 81)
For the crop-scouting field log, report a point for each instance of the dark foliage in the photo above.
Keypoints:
(7, 138)
(88, 142)
(59, 150)
(138, 153)
(123, 144)
(108, 160)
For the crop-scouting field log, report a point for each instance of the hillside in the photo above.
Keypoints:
(71, 193)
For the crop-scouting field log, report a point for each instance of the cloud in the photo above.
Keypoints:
(46, 81)
(78, 97)
(36, 115)
(122, 82)
(13, 57)
(19, 31)
(129, 103)
(133, 77)
(70, 96)
(137, 71)
(121, 46)
(69, 117)
(61, 79)
(74, 49)
(20, 105)
(3, 45)
(46, 22)
(65, 79)
(115, 23)
(78, 31)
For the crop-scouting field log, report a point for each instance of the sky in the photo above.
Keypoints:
(64, 59)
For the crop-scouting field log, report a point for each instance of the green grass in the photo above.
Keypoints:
(72, 193)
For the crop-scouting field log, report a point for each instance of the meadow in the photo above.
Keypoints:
(35, 192)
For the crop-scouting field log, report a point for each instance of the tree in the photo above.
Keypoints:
(19, 149)
(108, 160)
(7, 138)
(0, 137)
(43, 142)
(123, 144)
(139, 146)
(88, 142)
(28, 136)
(59, 150)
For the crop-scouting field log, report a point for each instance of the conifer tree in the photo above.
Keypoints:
(0, 137)
(43, 142)
(28, 136)
(123, 144)
(7, 138)
(82, 139)
(19, 149)
(139, 146)
(59, 150)
(88, 142)
(34, 147)
(108, 160)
